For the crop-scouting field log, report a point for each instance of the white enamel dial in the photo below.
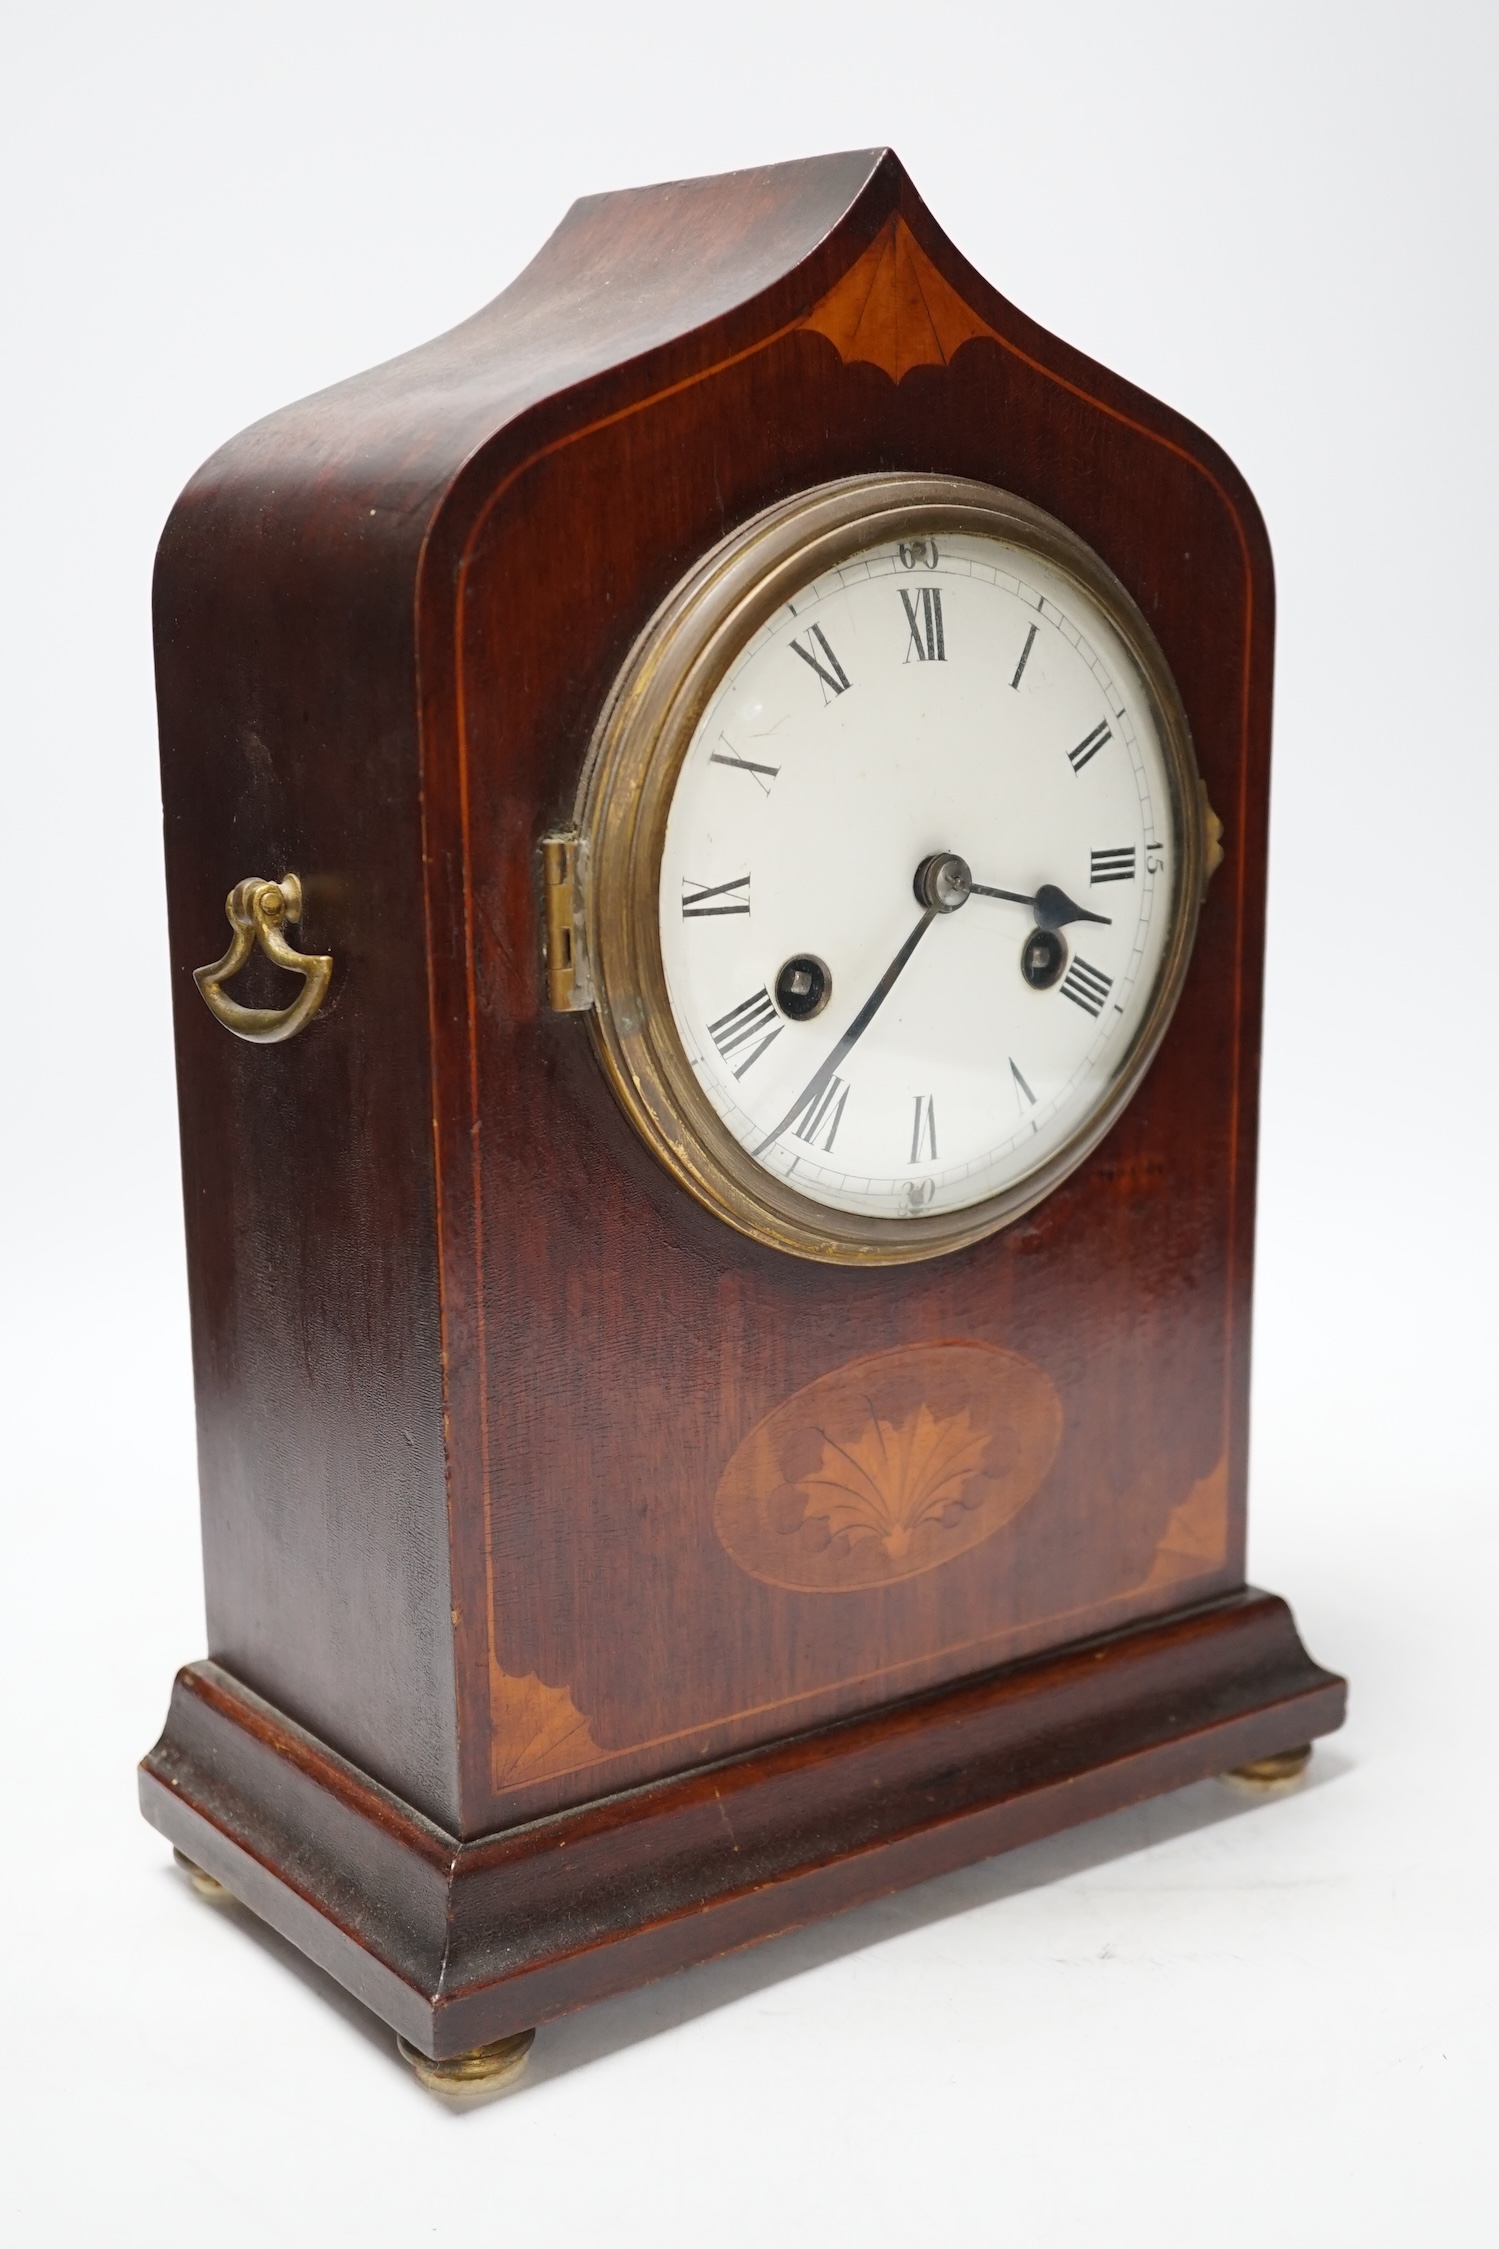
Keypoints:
(958, 713)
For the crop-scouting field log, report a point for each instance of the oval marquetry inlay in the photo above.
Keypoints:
(888, 1466)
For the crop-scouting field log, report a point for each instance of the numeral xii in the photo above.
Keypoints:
(924, 616)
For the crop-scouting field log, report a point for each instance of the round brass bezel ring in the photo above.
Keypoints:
(625, 796)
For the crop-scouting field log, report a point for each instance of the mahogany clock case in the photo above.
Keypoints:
(528, 1680)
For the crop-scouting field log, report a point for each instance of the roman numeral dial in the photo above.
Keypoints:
(950, 787)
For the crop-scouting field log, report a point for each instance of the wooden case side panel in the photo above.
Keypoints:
(288, 694)
(287, 697)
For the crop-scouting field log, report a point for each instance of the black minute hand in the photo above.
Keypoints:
(860, 1024)
(1052, 908)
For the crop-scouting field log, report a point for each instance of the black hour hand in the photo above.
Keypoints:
(1054, 909)
(1051, 906)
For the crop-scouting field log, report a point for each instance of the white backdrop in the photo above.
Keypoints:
(1189, 2023)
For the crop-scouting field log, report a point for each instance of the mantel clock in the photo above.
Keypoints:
(719, 1152)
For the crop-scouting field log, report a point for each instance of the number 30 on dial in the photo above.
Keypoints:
(893, 843)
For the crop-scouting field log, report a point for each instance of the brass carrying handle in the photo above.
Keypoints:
(257, 911)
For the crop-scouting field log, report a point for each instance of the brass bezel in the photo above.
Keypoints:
(625, 797)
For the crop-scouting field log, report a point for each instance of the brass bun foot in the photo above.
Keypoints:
(202, 1882)
(1271, 1776)
(483, 2069)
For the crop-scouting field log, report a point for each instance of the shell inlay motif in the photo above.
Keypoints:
(893, 309)
(536, 1730)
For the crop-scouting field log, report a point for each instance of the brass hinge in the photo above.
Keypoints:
(569, 986)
